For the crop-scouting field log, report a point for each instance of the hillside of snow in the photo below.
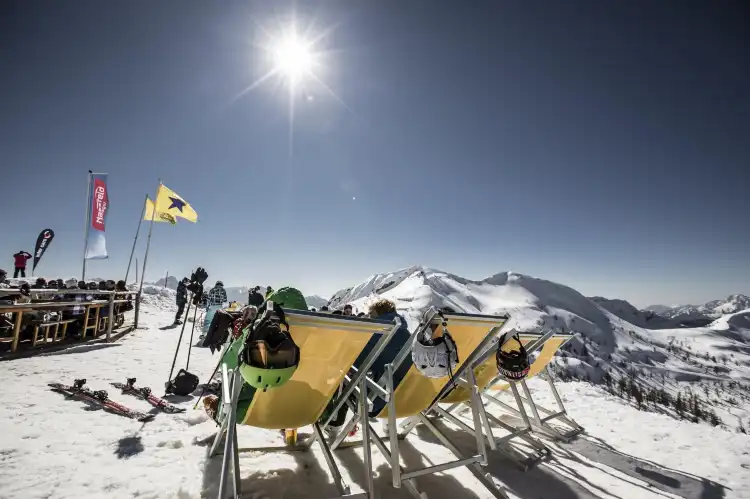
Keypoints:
(708, 365)
(643, 318)
(55, 447)
(712, 309)
(657, 309)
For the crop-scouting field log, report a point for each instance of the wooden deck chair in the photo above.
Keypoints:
(403, 392)
(485, 374)
(329, 345)
(538, 423)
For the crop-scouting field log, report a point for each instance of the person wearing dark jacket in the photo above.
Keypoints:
(181, 299)
(383, 310)
(19, 260)
(255, 298)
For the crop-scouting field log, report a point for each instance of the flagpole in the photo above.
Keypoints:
(136, 270)
(148, 246)
(135, 240)
(88, 223)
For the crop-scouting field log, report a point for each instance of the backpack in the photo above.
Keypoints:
(289, 297)
(269, 343)
(184, 383)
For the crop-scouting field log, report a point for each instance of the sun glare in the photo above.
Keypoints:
(293, 58)
(296, 60)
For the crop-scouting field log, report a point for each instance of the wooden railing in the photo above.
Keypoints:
(92, 311)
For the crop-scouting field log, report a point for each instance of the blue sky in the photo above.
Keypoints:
(604, 146)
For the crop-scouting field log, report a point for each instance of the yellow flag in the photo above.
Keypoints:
(169, 202)
(160, 217)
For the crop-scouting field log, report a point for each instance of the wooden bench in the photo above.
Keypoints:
(49, 325)
(92, 325)
(20, 308)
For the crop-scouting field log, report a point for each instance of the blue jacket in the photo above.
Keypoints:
(399, 339)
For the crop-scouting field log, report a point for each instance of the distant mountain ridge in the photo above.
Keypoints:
(711, 310)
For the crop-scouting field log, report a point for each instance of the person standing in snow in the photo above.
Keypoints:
(255, 298)
(181, 299)
(269, 292)
(215, 299)
(19, 260)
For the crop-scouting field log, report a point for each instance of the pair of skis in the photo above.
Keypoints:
(145, 393)
(101, 398)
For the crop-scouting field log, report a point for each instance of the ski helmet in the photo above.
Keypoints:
(435, 357)
(513, 364)
(288, 297)
(270, 357)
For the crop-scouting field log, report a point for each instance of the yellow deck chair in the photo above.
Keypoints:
(538, 423)
(413, 395)
(485, 374)
(329, 346)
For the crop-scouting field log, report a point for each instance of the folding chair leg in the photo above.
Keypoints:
(408, 483)
(523, 461)
(342, 487)
(346, 429)
(521, 408)
(486, 424)
(230, 443)
(217, 441)
(475, 469)
(236, 459)
(367, 458)
(541, 422)
(395, 458)
(532, 406)
(577, 429)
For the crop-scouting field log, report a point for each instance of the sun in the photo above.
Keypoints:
(293, 58)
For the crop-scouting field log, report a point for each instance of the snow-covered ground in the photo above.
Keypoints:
(52, 447)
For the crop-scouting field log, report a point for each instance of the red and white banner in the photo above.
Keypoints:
(98, 206)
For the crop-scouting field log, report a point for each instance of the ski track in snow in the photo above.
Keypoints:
(53, 447)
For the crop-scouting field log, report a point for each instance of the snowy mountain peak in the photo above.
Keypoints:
(709, 310)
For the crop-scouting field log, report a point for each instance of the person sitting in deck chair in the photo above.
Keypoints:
(385, 310)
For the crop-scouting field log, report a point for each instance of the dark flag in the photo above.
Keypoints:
(42, 242)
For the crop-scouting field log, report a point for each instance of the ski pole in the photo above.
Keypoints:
(216, 369)
(190, 345)
(187, 314)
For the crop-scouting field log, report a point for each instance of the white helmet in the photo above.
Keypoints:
(435, 357)
(71, 283)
